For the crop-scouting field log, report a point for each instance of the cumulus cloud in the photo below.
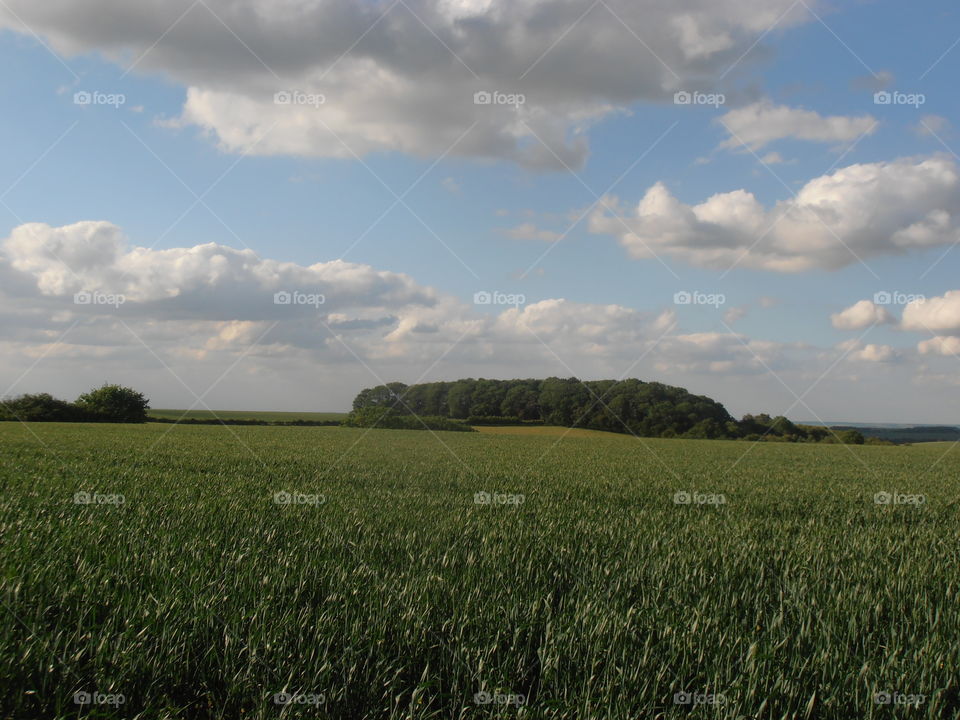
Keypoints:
(402, 76)
(210, 280)
(936, 314)
(762, 123)
(874, 353)
(860, 315)
(940, 345)
(721, 354)
(860, 211)
(211, 298)
(529, 231)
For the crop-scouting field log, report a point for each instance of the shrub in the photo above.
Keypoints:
(40, 407)
(114, 403)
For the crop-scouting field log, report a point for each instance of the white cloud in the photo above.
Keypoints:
(717, 353)
(205, 280)
(409, 83)
(934, 314)
(861, 315)
(864, 210)
(932, 125)
(940, 345)
(874, 353)
(762, 123)
(211, 298)
(735, 313)
(529, 231)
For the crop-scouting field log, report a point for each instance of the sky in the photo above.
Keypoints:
(271, 204)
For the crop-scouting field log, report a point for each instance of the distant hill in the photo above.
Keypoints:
(910, 434)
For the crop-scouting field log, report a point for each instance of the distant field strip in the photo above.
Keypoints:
(245, 415)
(277, 572)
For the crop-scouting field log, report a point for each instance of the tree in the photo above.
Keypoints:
(521, 401)
(41, 407)
(850, 437)
(114, 403)
(389, 395)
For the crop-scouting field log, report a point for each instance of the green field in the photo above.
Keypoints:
(388, 592)
(245, 415)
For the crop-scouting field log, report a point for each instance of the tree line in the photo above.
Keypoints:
(108, 403)
(647, 409)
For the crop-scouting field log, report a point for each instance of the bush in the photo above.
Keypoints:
(114, 403)
(41, 407)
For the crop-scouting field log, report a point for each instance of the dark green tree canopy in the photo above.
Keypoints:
(648, 409)
(115, 403)
(633, 406)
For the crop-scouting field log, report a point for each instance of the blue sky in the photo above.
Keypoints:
(308, 195)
